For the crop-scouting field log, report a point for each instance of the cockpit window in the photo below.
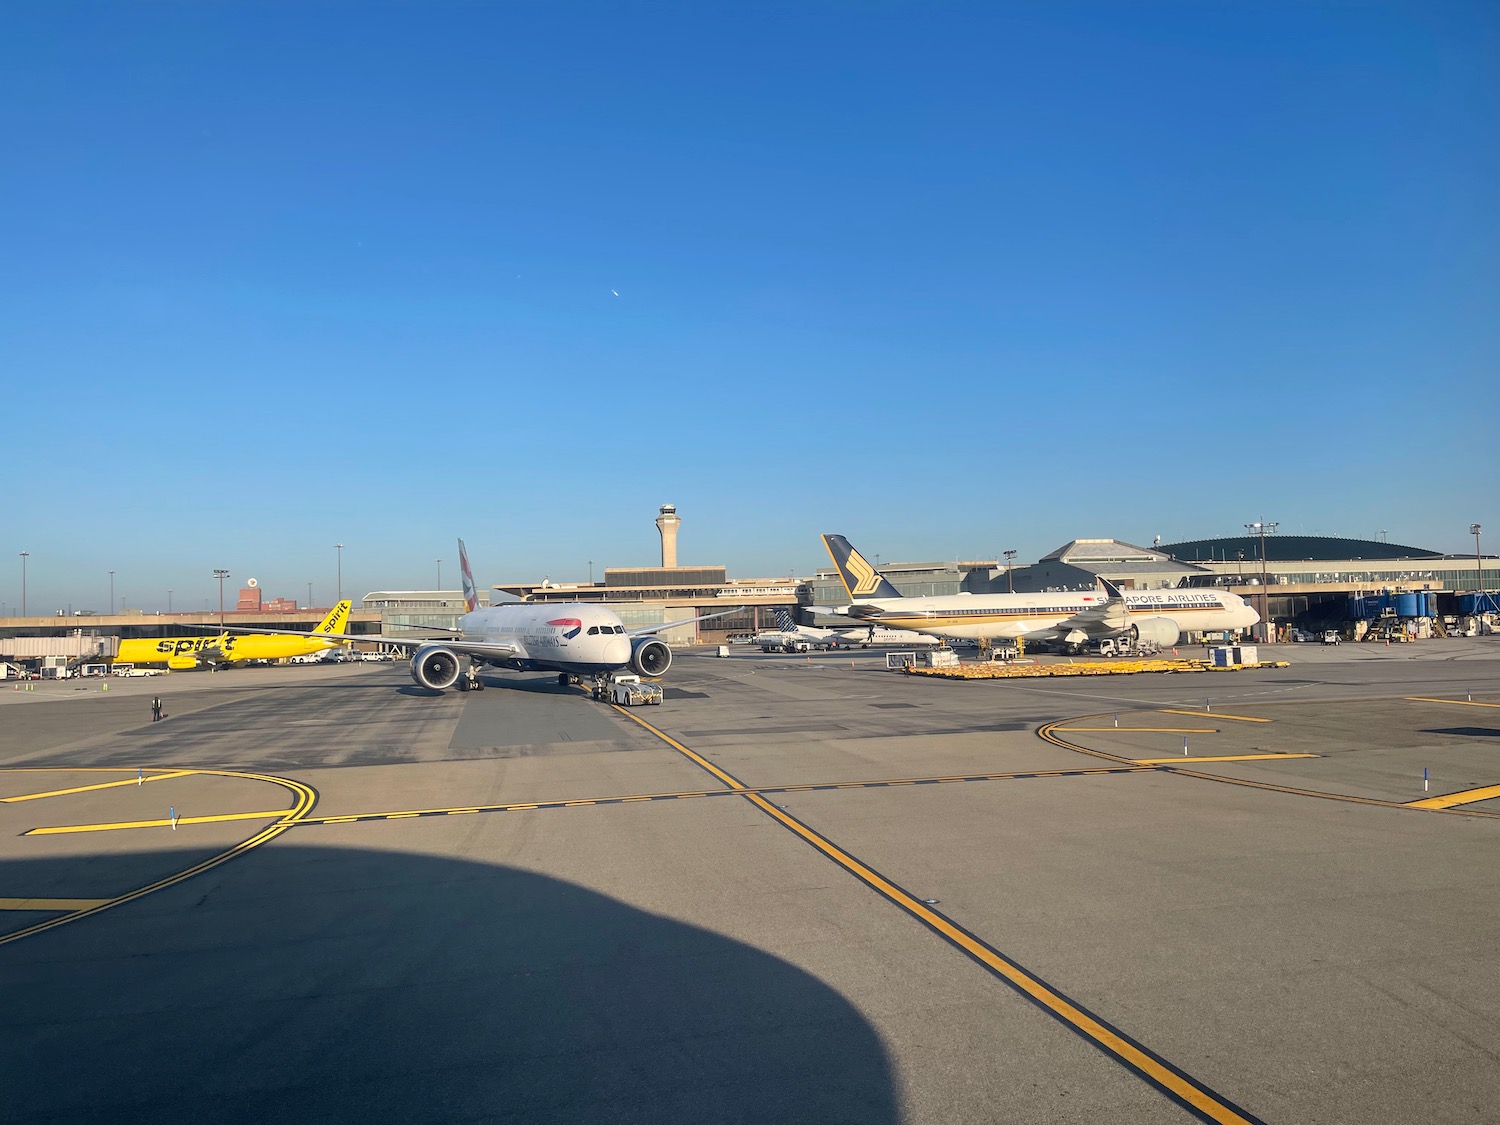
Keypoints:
(594, 630)
(619, 628)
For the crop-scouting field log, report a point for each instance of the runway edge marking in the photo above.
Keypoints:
(1180, 1087)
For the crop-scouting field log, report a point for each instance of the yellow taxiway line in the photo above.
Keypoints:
(304, 798)
(91, 788)
(1145, 729)
(1462, 797)
(1454, 702)
(1215, 714)
(65, 829)
(1222, 758)
(53, 904)
(1176, 1084)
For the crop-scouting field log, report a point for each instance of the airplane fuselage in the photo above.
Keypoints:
(572, 637)
(227, 648)
(1038, 616)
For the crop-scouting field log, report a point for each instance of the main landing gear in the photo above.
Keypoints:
(470, 680)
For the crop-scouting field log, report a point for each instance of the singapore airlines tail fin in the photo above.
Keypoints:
(861, 579)
(337, 620)
(471, 592)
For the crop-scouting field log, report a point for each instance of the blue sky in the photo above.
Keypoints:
(948, 279)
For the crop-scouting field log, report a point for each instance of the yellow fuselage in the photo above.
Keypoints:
(189, 652)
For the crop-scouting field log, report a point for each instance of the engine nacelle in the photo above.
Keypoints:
(650, 656)
(435, 667)
(1162, 631)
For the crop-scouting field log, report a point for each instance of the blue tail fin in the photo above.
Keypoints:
(861, 579)
(785, 622)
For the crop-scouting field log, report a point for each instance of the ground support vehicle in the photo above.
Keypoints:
(629, 691)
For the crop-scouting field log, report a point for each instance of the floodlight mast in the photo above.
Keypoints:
(1261, 527)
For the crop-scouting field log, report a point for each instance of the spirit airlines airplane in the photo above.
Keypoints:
(1064, 619)
(573, 639)
(198, 652)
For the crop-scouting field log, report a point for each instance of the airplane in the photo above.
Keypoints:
(789, 635)
(573, 639)
(179, 653)
(1067, 620)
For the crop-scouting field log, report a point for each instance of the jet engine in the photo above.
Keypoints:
(650, 656)
(435, 667)
(1160, 630)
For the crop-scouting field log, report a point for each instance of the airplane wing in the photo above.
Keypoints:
(647, 630)
(1109, 616)
(382, 638)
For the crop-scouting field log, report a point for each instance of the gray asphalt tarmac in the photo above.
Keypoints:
(799, 890)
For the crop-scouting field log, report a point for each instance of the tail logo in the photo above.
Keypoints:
(334, 622)
(865, 578)
(471, 593)
(571, 626)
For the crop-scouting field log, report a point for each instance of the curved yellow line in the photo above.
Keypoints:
(306, 796)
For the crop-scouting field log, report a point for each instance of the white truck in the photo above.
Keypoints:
(628, 691)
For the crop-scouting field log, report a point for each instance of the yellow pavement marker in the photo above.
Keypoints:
(1215, 714)
(1463, 797)
(91, 788)
(122, 824)
(1220, 758)
(51, 903)
(1454, 702)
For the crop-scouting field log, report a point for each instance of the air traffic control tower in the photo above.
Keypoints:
(667, 523)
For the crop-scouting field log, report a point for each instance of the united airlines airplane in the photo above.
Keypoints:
(1065, 619)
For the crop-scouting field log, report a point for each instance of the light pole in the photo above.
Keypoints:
(1474, 530)
(309, 595)
(440, 574)
(169, 603)
(111, 593)
(340, 548)
(220, 573)
(1262, 527)
(1009, 581)
(591, 572)
(24, 556)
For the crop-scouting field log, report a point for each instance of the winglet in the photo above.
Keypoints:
(860, 579)
(1110, 589)
(471, 592)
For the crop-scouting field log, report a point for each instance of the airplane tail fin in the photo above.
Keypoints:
(861, 579)
(337, 620)
(784, 621)
(471, 592)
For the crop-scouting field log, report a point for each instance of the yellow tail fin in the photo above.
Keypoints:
(337, 620)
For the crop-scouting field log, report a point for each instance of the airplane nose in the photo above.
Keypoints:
(617, 650)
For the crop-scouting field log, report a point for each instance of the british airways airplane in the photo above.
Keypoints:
(573, 639)
(1064, 619)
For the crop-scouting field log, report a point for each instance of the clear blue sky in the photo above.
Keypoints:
(948, 279)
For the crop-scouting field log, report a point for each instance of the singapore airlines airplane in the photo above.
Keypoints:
(573, 639)
(1065, 619)
(200, 652)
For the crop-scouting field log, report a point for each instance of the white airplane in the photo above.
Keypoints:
(1065, 619)
(788, 634)
(573, 639)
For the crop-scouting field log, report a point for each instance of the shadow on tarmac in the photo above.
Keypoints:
(1469, 732)
(305, 983)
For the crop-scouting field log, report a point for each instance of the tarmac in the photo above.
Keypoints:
(802, 889)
